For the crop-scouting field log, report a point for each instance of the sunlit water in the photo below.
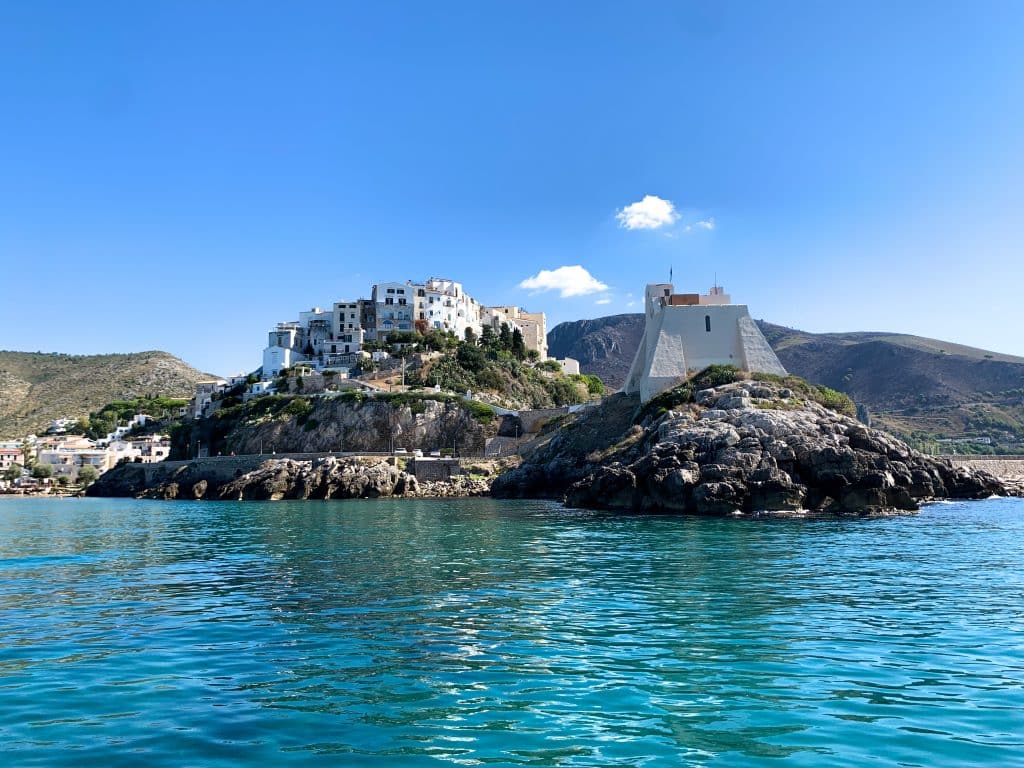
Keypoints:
(505, 633)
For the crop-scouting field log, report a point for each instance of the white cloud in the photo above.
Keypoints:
(603, 300)
(568, 281)
(650, 213)
(708, 224)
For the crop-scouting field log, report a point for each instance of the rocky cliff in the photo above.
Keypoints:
(742, 447)
(353, 423)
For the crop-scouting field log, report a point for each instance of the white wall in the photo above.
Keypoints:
(276, 359)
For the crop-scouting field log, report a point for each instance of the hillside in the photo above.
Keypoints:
(36, 388)
(919, 388)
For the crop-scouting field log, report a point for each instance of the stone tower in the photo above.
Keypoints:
(685, 332)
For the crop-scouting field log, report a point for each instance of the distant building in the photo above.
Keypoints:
(685, 332)
(9, 457)
(570, 366)
(205, 390)
(533, 325)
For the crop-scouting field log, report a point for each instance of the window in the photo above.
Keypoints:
(707, 323)
(389, 300)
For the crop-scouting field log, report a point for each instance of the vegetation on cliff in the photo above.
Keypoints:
(500, 365)
(102, 422)
(796, 391)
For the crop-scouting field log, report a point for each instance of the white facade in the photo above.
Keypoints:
(688, 332)
(395, 307)
(570, 366)
(443, 305)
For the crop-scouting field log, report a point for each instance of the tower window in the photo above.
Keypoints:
(707, 323)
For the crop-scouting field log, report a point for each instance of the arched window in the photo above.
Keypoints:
(707, 323)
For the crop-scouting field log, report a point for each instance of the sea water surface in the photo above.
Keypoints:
(479, 632)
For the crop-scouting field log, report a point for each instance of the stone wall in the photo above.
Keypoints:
(425, 470)
(1003, 467)
(532, 420)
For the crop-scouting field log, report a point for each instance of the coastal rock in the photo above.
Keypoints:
(745, 448)
(327, 478)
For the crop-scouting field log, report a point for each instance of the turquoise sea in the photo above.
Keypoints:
(479, 632)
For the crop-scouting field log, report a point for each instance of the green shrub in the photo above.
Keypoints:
(299, 407)
(835, 401)
(550, 365)
(480, 411)
(715, 376)
(594, 385)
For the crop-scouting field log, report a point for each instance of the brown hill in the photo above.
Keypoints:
(922, 389)
(36, 388)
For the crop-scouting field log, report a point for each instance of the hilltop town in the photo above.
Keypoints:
(386, 343)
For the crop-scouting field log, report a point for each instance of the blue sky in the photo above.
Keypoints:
(180, 176)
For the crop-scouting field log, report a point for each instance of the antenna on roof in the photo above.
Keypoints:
(670, 273)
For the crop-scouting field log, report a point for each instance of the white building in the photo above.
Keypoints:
(205, 391)
(395, 305)
(570, 366)
(9, 456)
(443, 305)
(688, 332)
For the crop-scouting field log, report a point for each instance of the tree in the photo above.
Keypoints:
(533, 355)
(505, 337)
(13, 472)
(87, 475)
(42, 471)
(487, 338)
(28, 453)
(518, 344)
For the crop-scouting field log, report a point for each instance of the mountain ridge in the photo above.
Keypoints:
(38, 387)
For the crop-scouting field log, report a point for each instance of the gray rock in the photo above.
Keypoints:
(734, 457)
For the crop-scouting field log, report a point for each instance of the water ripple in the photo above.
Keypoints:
(506, 633)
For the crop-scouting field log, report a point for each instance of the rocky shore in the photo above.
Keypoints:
(743, 447)
(329, 477)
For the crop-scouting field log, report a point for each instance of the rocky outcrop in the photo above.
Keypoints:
(328, 478)
(253, 479)
(747, 447)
